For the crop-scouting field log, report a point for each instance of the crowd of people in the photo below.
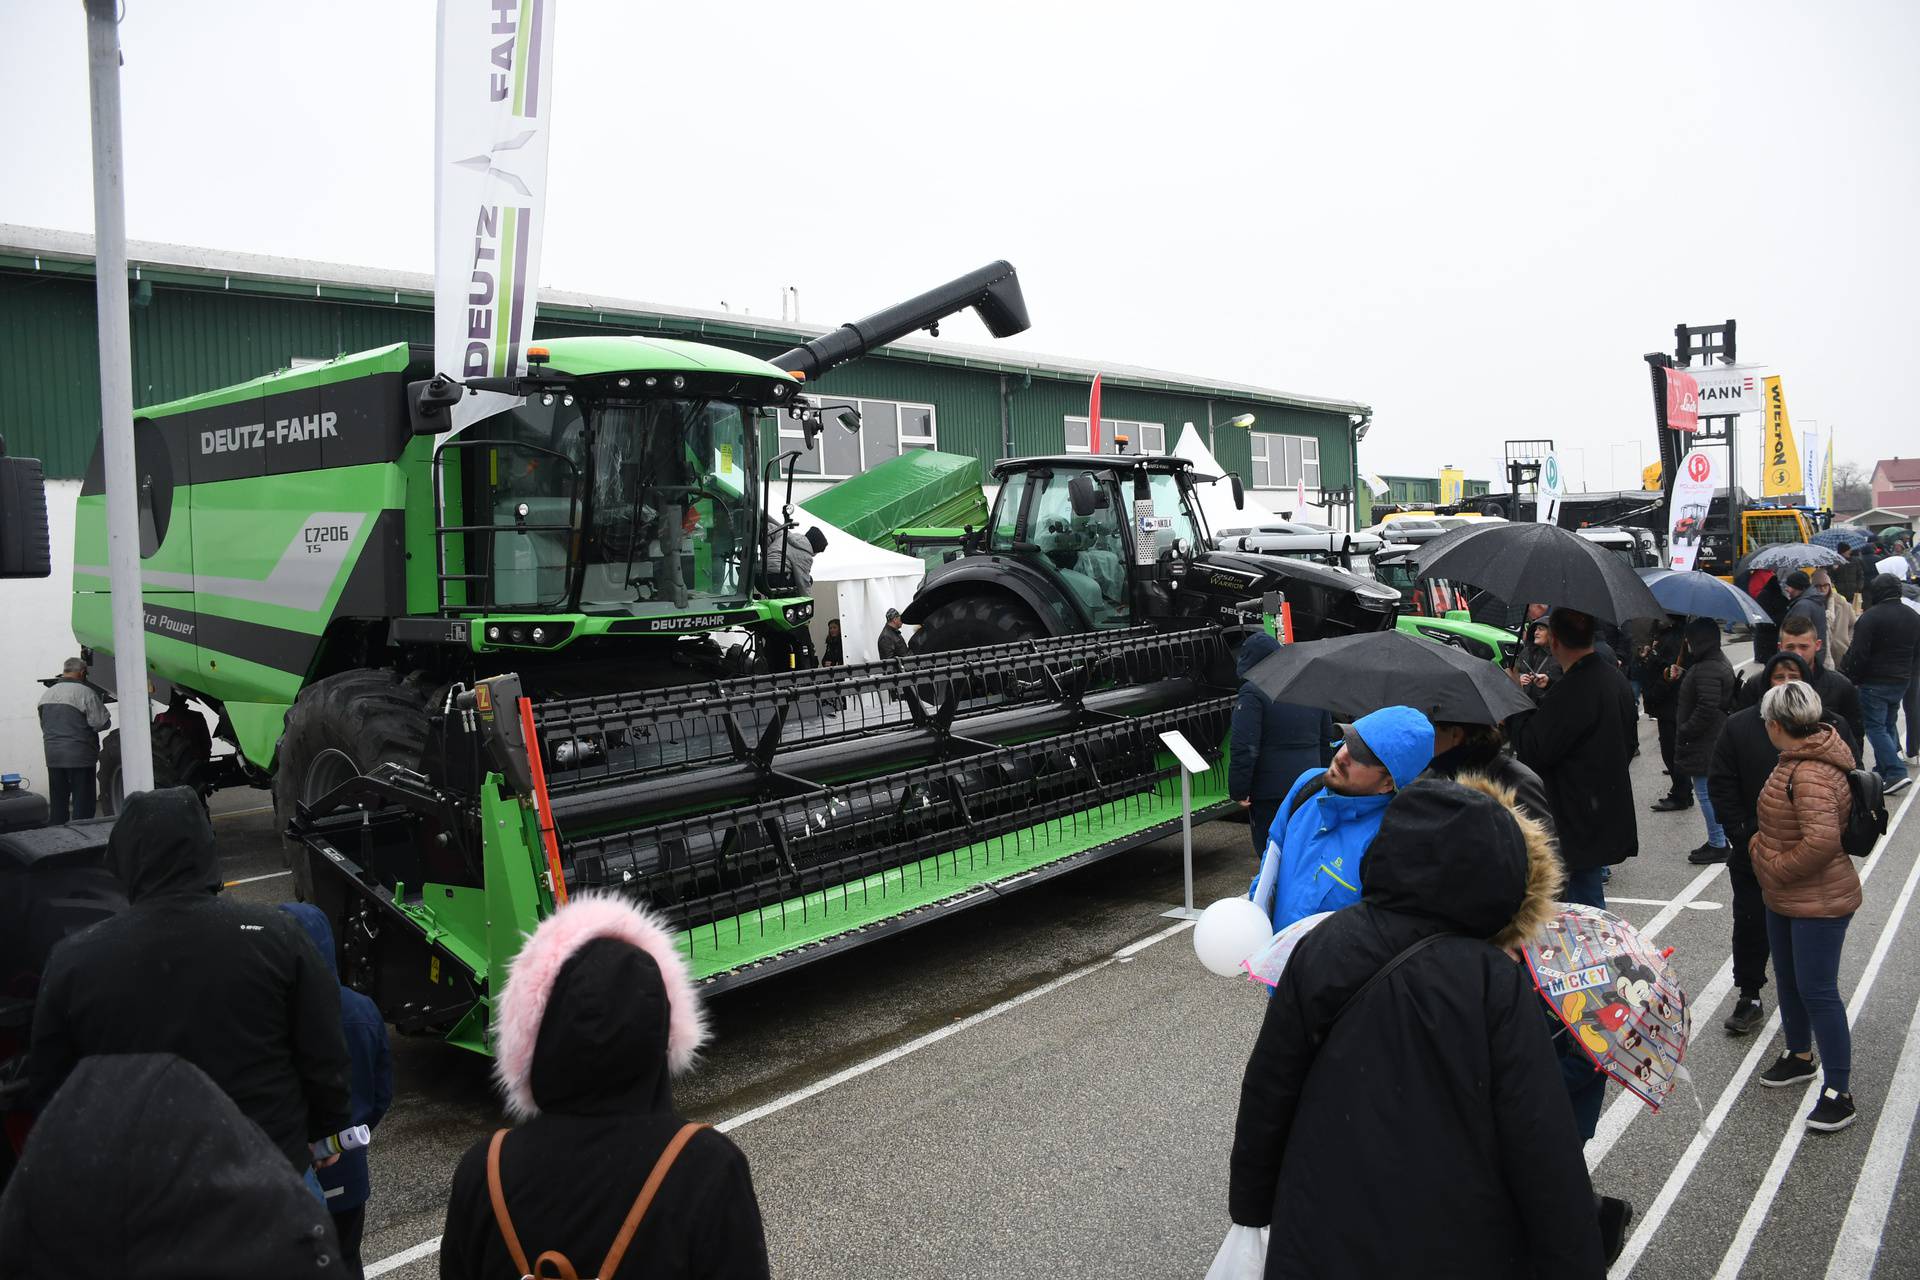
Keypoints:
(1443, 846)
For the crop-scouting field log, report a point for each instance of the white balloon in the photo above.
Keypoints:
(1228, 932)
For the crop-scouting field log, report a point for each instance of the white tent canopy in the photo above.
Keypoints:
(857, 583)
(1216, 500)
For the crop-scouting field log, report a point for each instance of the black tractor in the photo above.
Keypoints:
(1087, 543)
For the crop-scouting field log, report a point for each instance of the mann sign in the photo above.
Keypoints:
(1722, 390)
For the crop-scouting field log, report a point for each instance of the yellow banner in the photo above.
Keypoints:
(1452, 482)
(1780, 464)
(1826, 485)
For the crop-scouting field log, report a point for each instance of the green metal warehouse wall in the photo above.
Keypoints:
(190, 337)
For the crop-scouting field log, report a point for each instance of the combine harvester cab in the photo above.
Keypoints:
(770, 820)
(324, 557)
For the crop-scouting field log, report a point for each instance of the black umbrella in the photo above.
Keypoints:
(1353, 675)
(1539, 563)
(1785, 557)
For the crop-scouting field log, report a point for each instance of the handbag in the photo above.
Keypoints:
(563, 1267)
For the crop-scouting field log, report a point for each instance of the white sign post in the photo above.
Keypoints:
(1191, 762)
(1546, 504)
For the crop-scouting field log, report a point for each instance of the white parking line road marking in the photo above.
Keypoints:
(1626, 1108)
(1660, 902)
(271, 875)
(427, 1247)
(1756, 1215)
(1858, 1246)
(1687, 895)
(1690, 1159)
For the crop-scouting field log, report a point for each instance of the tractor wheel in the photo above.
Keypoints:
(337, 729)
(180, 759)
(972, 621)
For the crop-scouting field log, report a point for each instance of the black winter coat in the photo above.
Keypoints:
(1706, 691)
(1497, 765)
(1813, 608)
(1273, 743)
(1886, 639)
(1837, 694)
(237, 990)
(1580, 742)
(1429, 1134)
(141, 1167)
(572, 1172)
(1659, 695)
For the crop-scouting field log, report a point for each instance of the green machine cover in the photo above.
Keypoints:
(921, 488)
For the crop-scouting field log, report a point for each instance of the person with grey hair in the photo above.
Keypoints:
(72, 714)
(1811, 892)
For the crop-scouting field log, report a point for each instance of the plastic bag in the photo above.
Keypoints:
(1242, 1256)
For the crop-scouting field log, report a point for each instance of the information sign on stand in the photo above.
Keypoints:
(1191, 762)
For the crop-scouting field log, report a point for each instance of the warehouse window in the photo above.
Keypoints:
(1281, 462)
(1145, 437)
(888, 428)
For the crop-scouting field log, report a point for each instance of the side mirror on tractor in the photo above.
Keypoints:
(1239, 491)
(1084, 493)
(25, 548)
(429, 402)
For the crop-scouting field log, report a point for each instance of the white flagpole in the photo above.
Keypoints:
(116, 399)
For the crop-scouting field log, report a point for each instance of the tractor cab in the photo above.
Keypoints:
(1083, 543)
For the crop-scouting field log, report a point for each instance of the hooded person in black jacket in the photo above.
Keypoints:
(1428, 1134)
(1581, 744)
(1662, 664)
(1272, 744)
(1882, 662)
(598, 1011)
(1743, 759)
(142, 1169)
(1706, 691)
(235, 989)
(1837, 693)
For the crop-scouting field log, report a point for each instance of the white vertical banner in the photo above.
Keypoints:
(1553, 481)
(1693, 490)
(1809, 466)
(495, 97)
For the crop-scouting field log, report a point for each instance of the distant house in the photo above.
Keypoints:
(1896, 482)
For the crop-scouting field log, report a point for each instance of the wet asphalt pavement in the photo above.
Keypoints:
(999, 1094)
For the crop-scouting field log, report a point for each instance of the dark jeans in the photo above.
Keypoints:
(1880, 703)
(350, 1225)
(70, 795)
(1806, 965)
(1588, 888)
(1676, 780)
(1260, 816)
(1749, 925)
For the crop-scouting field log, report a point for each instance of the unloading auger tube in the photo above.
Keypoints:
(770, 819)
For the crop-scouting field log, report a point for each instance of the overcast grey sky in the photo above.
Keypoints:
(1474, 217)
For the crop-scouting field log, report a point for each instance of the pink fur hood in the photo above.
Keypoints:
(531, 976)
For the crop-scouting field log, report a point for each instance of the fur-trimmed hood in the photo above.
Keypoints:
(598, 1010)
(1464, 852)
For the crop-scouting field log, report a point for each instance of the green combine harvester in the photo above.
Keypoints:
(564, 649)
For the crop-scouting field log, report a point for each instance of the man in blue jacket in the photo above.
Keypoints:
(1273, 743)
(1331, 815)
(345, 1182)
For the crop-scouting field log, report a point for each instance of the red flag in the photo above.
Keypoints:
(1683, 400)
(1093, 417)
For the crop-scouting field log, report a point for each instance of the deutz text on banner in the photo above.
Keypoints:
(1780, 464)
(495, 99)
(1693, 490)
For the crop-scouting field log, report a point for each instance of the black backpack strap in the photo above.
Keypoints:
(1306, 793)
(1320, 1036)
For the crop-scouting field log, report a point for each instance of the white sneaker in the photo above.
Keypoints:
(1895, 787)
